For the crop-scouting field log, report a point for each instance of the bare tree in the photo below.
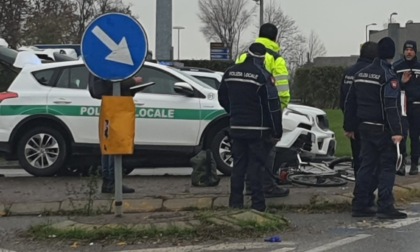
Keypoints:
(290, 38)
(48, 22)
(87, 10)
(315, 47)
(12, 16)
(225, 20)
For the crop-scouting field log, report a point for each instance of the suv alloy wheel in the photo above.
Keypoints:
(42, 151)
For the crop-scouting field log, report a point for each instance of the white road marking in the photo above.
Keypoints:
(6, 250)
(285, 247)
(402, 223)
(283, 250)
(339, 243)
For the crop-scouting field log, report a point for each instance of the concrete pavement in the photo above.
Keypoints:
(38, 196)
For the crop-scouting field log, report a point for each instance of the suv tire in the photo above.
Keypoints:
(42, 151)
(222, 152)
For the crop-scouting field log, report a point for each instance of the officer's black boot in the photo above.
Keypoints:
(414, 170)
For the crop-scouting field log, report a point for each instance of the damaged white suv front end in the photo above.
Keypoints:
(322, 138)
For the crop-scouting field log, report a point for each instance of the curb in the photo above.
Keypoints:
(184, 202)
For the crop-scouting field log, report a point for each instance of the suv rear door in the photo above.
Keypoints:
(69, 99)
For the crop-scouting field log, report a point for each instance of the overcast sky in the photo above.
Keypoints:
(340, 24)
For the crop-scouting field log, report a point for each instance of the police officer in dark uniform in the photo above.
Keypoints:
(368, 52)
(408, 71)
(372, 107)
(249, 95)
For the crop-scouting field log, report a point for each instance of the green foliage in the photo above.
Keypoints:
(209, 64)
(318, 86)
(335, 118)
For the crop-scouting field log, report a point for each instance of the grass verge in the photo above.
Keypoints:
(228, 225)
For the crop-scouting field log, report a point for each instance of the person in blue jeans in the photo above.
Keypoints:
(98, 88)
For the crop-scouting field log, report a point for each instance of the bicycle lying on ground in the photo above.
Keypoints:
(312, 173)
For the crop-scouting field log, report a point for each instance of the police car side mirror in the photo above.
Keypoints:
(184, 88)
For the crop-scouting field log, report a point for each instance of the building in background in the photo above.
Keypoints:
(163, 49)
(399, 34)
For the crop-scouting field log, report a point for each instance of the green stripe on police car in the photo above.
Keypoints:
(93, 111)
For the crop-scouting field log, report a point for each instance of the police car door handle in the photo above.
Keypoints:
(61, 101)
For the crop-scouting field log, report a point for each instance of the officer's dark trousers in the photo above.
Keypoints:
(403, 144)
(355, 150)
(249, 158)
(269, 182)
(377, 152)
(413, 117)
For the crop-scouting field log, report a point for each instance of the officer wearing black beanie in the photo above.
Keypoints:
(408, 71)
(372, 107)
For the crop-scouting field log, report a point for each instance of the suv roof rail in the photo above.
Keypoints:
(196, 69)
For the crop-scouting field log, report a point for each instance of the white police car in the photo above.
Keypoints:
(49, 121)
(324, 143)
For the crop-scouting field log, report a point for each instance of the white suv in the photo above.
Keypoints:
(323, 144)
(48, 120)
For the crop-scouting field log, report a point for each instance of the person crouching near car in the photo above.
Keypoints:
(248, 94)
(372, 106)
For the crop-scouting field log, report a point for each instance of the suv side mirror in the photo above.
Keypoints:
(184, 88)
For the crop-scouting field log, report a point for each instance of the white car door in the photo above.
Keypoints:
(70, 100)
(165, 117)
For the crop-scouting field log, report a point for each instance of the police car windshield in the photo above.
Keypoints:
(199, 82)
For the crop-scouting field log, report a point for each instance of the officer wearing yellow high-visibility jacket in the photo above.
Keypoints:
(274, 63)
(276, 66)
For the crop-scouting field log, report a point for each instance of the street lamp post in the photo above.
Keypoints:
(178, 28)
(261, 2)
(366, 32)
(390, 16)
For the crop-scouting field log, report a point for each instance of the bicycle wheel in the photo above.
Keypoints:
(344, 167)
(320, 169)
(317, 180)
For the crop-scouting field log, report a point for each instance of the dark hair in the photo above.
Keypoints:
(269, 31)
(369, 50)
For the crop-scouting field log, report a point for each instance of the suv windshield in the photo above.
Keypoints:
(199, 82)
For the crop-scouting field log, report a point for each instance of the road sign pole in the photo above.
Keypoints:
(114, 54)
(116, 91)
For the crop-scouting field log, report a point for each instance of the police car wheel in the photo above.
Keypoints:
(42, 151)
(221, 148)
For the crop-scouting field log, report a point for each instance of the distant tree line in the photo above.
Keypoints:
(26, 22)
(318, 86)
(226, 21)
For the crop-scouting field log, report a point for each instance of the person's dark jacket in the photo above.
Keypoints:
(373, 100)
(412, 87)
(349, 77)
(249, 95)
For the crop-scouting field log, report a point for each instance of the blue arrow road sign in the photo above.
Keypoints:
(114, 46)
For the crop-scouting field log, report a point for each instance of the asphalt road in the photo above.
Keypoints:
(310, 233)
